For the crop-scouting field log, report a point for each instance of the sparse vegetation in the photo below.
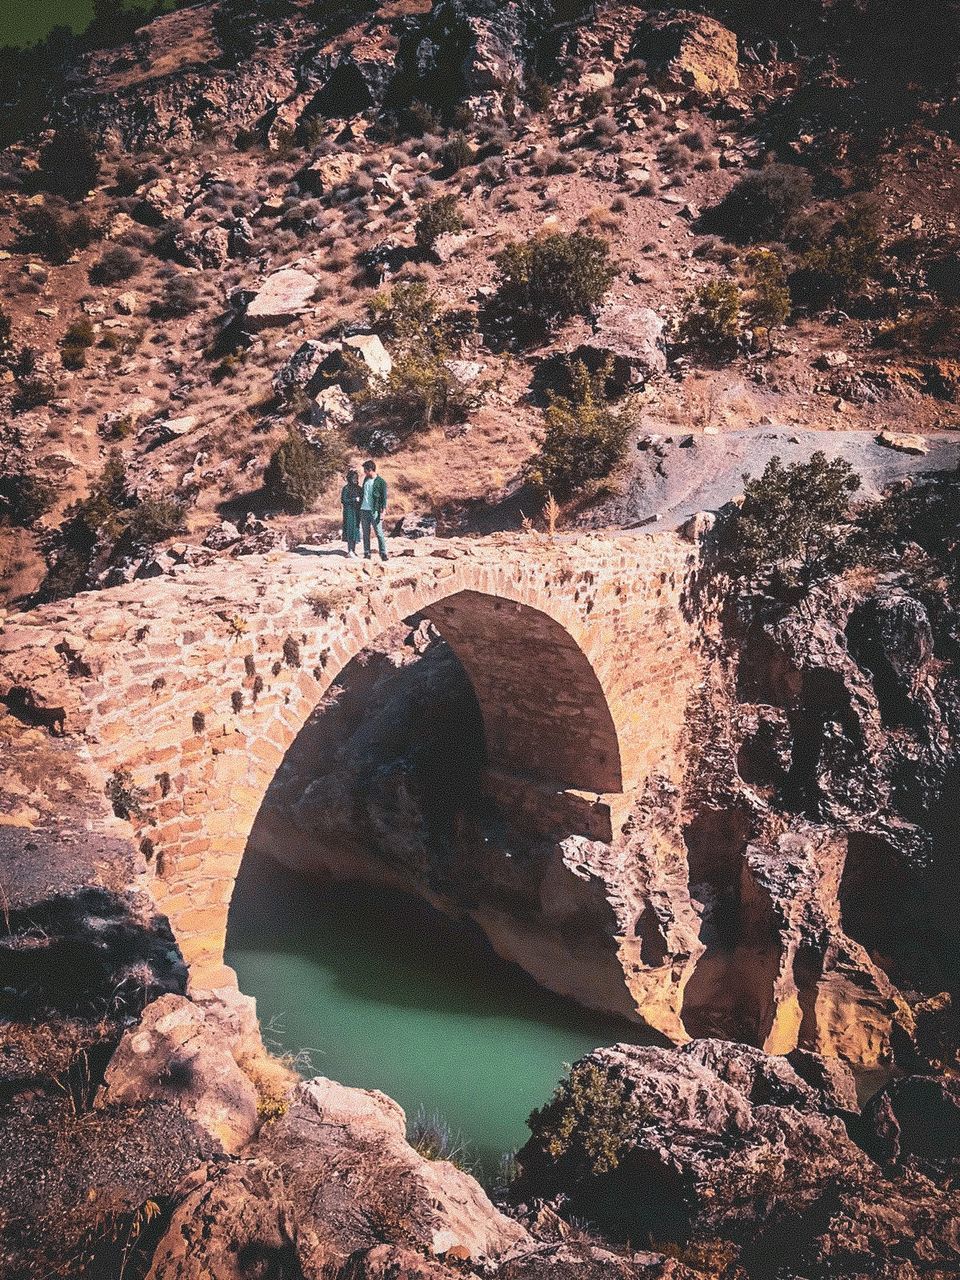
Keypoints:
(587, 1126)
(299, 471)
(116, 263)
(179, 297)
(794, 529)
(55, 235)
(550, 278)
(431, 1137)
(584, 439)
(710, 320)
(438, 217)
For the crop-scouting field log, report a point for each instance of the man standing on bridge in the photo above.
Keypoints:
(372, 506)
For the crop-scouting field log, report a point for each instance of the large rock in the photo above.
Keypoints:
(371, 351)
(917, 1117)
(281, 298)
(303, 370)
(632, 339)
(174, 1054)
(686, 50)
(329, 172)
(334, 1136)
(226, 1217)
(723, 1142)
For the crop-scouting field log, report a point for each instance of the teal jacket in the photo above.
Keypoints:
(379, 495)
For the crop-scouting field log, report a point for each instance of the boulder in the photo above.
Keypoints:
(225, 1217)
(372, 352)
(332, 1126)
(329, 172)
(331, 409)
(917, 1117)
(280, 298)
(303, 370)
(416, 527)
(685, 50)
(221, 536)
(632, 338)
(904, 442)
(127, 304)
(698, 526)
(174, 1054)
(725, 1142)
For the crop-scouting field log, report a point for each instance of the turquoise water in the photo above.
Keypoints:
(393, 996)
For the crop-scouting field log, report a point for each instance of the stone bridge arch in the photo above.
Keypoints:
(188, 691)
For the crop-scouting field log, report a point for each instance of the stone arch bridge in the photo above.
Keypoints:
(188, 689)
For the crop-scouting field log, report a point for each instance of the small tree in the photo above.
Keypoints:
(584, 440)
(768, 300)
(6, 333)
(298, 471)
(588, 1125)
(550, 278)
(457, 153)
(710, 320)
(834, 272)
(794, 528)
(24, 498)
(154, 520)
(438, 218)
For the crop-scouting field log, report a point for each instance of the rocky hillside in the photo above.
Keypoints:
(201, 229)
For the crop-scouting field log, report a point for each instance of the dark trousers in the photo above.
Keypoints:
(370, 520)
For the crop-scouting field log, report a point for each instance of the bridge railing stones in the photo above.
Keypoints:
(581, 650)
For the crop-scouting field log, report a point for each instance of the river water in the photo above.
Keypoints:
(388, 994)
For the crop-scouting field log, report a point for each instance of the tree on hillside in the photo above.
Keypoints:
(549, 278)
(794, 528)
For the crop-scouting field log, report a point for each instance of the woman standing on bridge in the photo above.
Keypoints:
(350, 496)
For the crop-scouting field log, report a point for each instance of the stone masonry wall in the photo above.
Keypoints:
(189, 689)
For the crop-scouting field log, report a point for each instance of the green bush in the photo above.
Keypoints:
(154, 520)
(73, 358)
(588, 1125)
(34, 390)
(584, 440)
(438, 217)
(537, 94)
(24, 498)
(710, 320)
(79, 334)
(550, 278)
(116, 263)
(762, 205)
(794, 528)
(457, 153)
(420, 392)
(835, 272)
(69, 163)
(127, 178)
(180, 296)
(768, 299)
(298, 471)
(53, 235)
